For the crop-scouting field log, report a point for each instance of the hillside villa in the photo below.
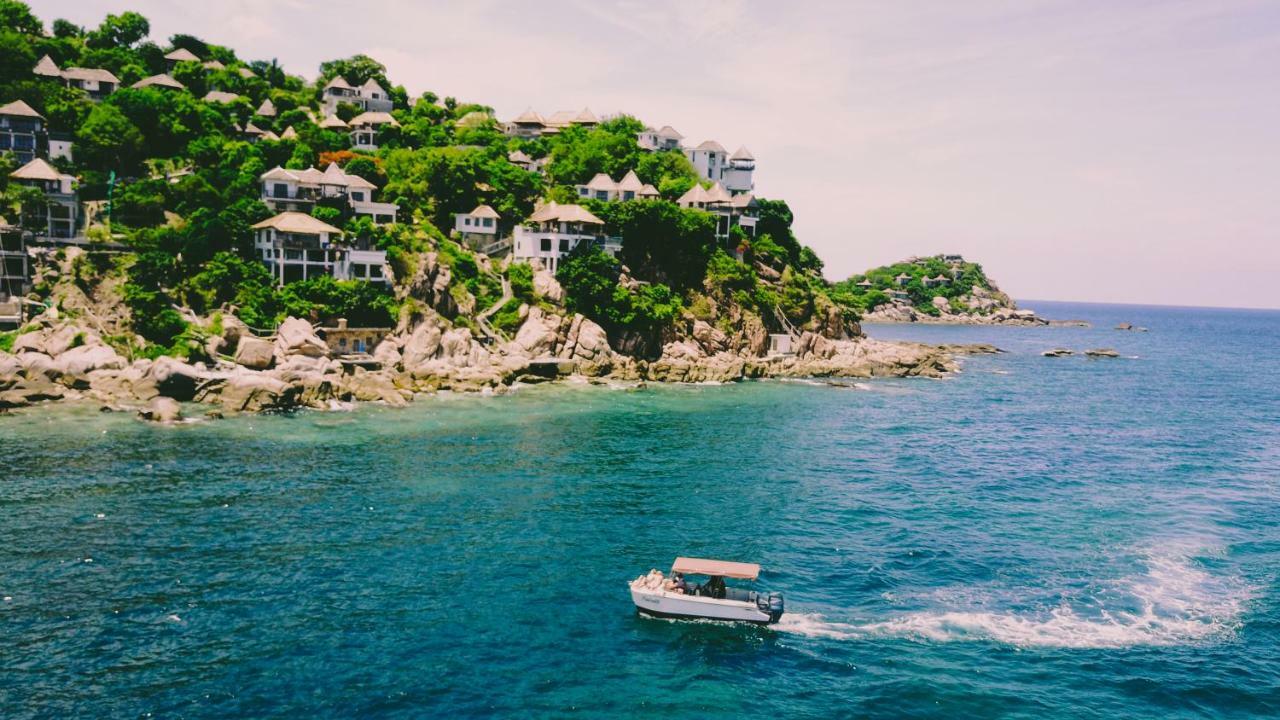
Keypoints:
(299, 190)
(602, 187)
(655, 140)
(553, 231)
(58, 217)
(365, 127)
(730, 210)
(95, 82)
(296, 246)
(530, 124)
(22, 131)
(369, 97)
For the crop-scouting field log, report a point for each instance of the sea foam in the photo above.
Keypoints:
(1177, 602)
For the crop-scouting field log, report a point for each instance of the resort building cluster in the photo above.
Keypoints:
(296, 245)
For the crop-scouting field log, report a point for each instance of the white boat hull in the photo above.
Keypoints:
(660, 603)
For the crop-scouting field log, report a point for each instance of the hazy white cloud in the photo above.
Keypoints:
(1081, 150)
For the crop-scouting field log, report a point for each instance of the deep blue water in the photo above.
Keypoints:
(1033, 537)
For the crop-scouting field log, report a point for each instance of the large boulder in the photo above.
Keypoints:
(387, 353)
(161, 410)
(373, 386)
(586, 340)
(711, 338)
(80, 361)
(233, 329)
(250, 392)
(174, 378)
(942, 304)
(29, 342)
(423, 344)
(539, 333)
(546, 285)
(254, 353)
(10, 366)
(297, 337)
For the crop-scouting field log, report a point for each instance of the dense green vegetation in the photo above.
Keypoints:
(961, 278)
(183, 183)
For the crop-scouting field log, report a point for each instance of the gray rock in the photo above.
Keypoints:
(162, 410)
(254, 353)
(1058, 352)
(297, 337)
(1101, 353)
(174, 378)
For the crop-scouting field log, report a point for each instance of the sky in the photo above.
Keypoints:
(1085, 150)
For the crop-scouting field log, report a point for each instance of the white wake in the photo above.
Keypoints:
(1174, 602)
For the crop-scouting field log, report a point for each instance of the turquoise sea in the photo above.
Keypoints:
(1031, 538)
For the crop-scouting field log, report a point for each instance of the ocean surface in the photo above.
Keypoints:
(1031, 538)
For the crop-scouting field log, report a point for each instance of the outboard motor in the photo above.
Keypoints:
(770, 604)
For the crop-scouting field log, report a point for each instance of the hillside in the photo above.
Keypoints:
(169, 198)
(940, 288)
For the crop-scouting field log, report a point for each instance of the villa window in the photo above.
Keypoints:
(357, 196)
(564, 245)
(546, 244)
(281, 190)
(488, 222)
(466, 221)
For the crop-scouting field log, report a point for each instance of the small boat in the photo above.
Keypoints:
(673, 597)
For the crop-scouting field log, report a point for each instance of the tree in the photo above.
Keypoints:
(17, 16)
(192, 43)
(356, 70)
(16, 57)
(65, 29)
(109, 141)
(662, 241)
(119, 31)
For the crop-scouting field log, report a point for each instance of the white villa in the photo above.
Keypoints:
(370, 96)
(602, 187)
(365, 126)
(713, 162)
(480, 226)
(58, 217)
(664, 139)
(730, 210)
(296, 246)
(95, 82)
(298, 190)
(553, 231)
(530, 124)
(22, 131)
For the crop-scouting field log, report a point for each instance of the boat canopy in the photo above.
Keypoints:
(722, 568)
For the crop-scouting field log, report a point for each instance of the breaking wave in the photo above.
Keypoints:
(1175, 602)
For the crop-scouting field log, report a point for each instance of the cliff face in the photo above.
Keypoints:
(441, 342)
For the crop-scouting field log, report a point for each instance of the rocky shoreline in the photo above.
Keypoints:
(62, 360)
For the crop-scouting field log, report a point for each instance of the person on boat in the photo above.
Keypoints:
(715, 587)
(678, 584)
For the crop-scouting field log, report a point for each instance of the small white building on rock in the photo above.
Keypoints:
(478, 227)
